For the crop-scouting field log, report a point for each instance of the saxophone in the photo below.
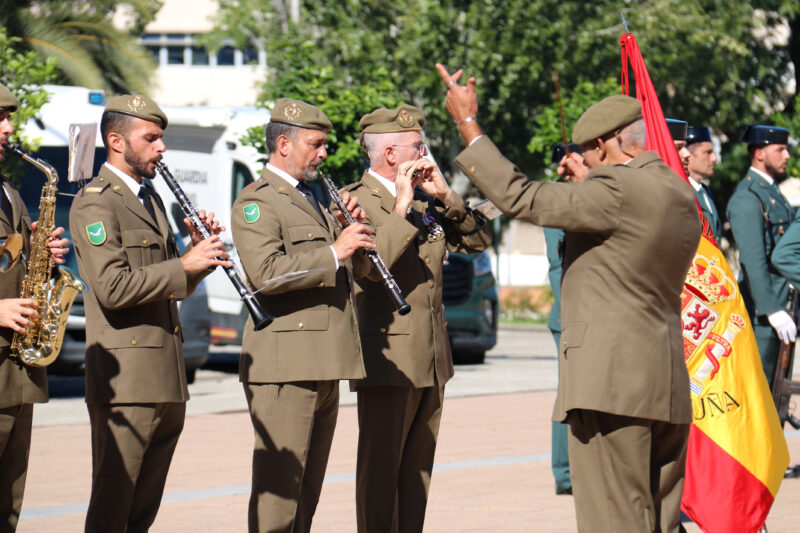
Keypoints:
(40, 344)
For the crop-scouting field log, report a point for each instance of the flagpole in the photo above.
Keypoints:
(561, 112)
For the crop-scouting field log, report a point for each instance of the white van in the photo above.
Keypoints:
(204, 153)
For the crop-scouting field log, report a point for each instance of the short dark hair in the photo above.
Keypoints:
(275, 130)
(751, 149)
(114, 122)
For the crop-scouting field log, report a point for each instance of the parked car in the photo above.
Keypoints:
(470, 306)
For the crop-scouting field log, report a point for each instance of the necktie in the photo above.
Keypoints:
(5, 205)
(305, 190)
(147, 200)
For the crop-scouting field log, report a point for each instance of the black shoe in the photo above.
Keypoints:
(564, 492)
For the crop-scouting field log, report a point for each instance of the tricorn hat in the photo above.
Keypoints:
(755, 134)
(698, 134)
(559, 152)
(677, 128)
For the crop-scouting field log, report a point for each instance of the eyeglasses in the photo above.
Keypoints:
(420, 147)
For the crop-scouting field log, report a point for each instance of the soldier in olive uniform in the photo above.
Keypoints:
(759, 215)
(136, 388)
(20, 386)
(631, 231)
(417, 219)
(291, 369)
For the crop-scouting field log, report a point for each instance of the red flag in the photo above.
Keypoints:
(736, 453)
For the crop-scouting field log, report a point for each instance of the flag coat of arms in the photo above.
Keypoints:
(737, 453)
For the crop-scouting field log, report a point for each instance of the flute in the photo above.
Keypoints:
(388, 280)
(261, 318)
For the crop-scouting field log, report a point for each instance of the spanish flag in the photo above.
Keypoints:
(737, 453)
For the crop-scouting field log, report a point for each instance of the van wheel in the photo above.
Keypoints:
(469, 357)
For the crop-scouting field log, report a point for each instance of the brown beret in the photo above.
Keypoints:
(137, 106)
(606, 116)
(383, 120)
(8, 102)
(300, 114)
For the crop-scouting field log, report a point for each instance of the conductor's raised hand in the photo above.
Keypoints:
(352, 238)
(461, 103)
(208, 253)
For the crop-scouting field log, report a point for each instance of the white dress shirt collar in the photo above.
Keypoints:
(763, 175)
(132, 184)
(389, 184)
(283, 174)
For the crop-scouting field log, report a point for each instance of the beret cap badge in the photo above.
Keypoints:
(292, 111)
(136, 104)
(405, 119)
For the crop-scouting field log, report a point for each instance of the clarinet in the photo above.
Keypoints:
(388, 280)
(261, 318)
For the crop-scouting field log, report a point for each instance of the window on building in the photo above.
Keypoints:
(250, 56)
(199, 55)
(225, 56)
(175, 55)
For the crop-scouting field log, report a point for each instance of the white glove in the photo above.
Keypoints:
(783, 325)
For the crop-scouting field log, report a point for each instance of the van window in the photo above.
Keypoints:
(192, 138)
(242, 177)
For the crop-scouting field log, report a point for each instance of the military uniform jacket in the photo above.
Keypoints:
(759, 215)
(554, 239)
(409, 350)
(314, 335)
(631, 232)
(134, 344)
(18, 383)
(786, 256)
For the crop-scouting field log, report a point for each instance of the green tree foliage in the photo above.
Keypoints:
(713, 62)
(24, 74)
(90, 50)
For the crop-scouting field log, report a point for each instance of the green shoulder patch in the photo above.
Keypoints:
(96, 233)
(251, 213)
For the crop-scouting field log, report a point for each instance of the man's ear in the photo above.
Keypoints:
(602, 149)
(389, 155)
(759, 154)
(116, 142)
(284, 144)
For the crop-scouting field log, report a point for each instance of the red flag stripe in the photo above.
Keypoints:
(741, 501)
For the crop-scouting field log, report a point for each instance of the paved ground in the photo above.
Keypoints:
(493, 460)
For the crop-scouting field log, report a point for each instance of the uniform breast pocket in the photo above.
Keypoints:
(143, 247)
(307, 236)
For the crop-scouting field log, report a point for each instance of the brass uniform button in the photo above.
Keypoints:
(322, 284)
(408, 239)
(133, 342)
(427, 260)
(472, 170)
(310, 235)
(430, 284)
(144, 242)
(383, 330)
(299, 325)
(116, 187)
(177, 329)
(101, 179)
